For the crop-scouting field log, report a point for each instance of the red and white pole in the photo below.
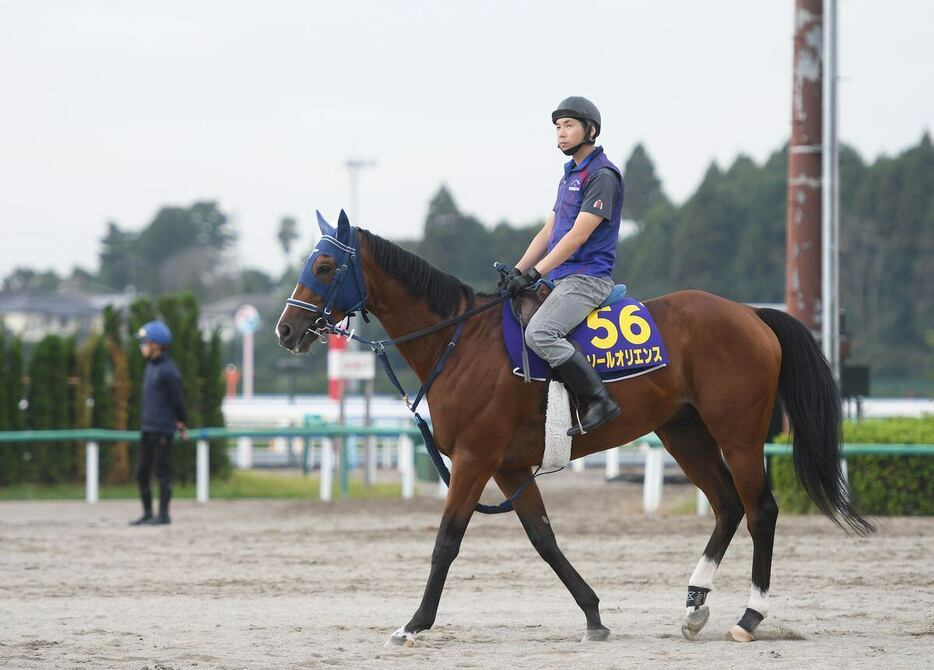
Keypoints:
(336, 346)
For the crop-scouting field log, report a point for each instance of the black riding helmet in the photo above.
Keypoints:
(580, 108)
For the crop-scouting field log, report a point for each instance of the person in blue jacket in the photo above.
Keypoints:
(576, 249)
(163, 413)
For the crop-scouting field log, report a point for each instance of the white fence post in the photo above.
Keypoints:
(407, 466)
(327, 470)
(244, 453)
(370, 477)
(577, 465)
(202, 470)
(386, 455)
(612, 463)
(653, 479)
(92, 470)
(703, 505)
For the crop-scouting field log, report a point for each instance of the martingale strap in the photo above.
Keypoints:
(324, 324)
(379, 349)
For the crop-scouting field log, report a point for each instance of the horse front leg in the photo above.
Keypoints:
(467, 483)
(530, 508)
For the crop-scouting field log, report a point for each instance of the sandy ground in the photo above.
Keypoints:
(253, 584)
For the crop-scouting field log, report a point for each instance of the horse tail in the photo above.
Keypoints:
(808, 391)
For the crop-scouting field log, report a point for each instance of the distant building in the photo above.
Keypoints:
(32, 316)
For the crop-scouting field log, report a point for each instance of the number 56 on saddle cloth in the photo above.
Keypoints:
(619, 338)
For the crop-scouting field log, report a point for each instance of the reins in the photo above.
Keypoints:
(323, 325)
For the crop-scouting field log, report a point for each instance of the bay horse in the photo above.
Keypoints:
(710, 406)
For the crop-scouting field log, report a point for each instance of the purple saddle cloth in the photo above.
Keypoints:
(620, 340)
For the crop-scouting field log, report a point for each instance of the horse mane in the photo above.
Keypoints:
(418, 276)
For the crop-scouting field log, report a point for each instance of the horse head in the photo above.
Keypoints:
(330, 287)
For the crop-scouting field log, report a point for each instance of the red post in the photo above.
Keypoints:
(336, 343)
(803, 228)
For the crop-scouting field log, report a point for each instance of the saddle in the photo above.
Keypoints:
(619, 337)
(528, 302)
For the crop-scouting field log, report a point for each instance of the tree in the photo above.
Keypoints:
(643, 188)
(181, 246)
(28, 280)
(212, 399)
(255, 281)
(707, 233)
(288, 233)
(11, 415)
(51, 369)
(456, 243)
(118, 258)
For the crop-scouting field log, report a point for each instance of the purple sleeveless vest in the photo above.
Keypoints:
(597, 256)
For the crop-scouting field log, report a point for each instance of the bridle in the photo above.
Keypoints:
(345, 297)
(348, 298)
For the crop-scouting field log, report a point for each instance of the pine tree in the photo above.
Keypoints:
(50, 407)
(11, 376)
(212, 399)
(118, 392)
(454, 242)
(643, 188)
(6, 450)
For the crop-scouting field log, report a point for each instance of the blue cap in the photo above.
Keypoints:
(155, 331)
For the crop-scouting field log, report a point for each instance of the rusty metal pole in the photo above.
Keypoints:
(803, 228)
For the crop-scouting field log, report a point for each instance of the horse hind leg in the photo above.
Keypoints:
(748, 467)
(697, 453)
(530, 508)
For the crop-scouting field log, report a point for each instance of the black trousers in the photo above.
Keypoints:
(155, 448)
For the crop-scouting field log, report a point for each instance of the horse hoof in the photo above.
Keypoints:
(739, 634)
(400, 638)
(596, 634)
(694, 621)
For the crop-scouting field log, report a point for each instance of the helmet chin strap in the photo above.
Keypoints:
(573, 150)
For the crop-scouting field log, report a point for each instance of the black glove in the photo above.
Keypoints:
(517, 285)
(504, 278)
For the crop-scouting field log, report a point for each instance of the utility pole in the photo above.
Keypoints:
(830, 219)
(803, 229)
(354, 165)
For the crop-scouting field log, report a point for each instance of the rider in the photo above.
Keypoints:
(576, 249)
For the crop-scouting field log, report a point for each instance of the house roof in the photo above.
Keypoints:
(58, 304)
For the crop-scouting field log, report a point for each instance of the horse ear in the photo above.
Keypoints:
(326, 228)
(343, 227)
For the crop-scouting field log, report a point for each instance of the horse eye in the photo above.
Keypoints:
(324, 269)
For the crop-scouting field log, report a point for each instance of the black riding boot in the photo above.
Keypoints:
(147, 510)
(165, 495)
(583, 380)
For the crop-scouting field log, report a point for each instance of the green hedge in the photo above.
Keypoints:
(883, 485)
(95, 383)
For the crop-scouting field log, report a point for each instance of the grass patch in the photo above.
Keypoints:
(240, 484)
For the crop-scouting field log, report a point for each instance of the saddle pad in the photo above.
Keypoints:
(620, 341)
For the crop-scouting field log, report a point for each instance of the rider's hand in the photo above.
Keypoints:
(504, 279)
(518, 284)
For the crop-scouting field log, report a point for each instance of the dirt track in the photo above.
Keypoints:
(303, 585)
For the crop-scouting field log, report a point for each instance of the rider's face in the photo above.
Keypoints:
(149, 349)
(570, 132)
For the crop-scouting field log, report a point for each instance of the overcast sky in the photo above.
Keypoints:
(113, 109)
